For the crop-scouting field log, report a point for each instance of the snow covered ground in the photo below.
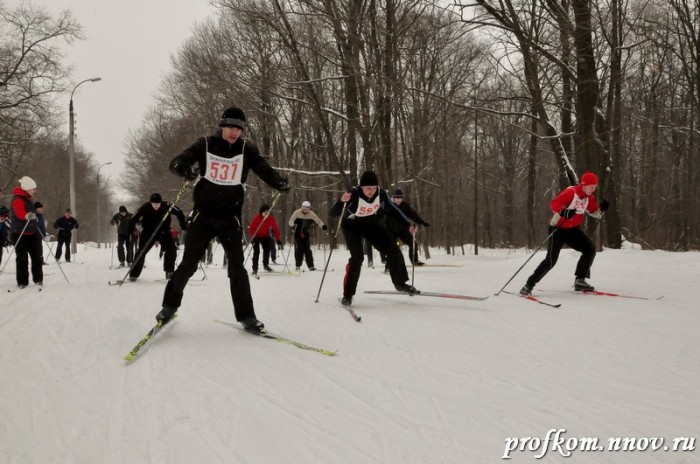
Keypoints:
(419, 380)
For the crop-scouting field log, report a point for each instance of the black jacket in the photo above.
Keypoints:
(225, 200)
(397, 226)
(150, 218)
(122, 223)
(65, 226)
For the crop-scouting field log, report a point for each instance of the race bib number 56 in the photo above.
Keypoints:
(224, 171)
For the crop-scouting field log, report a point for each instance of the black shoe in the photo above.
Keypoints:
(20, 286)
(312, 268)
(133, 279)
(252, 324)
(267, 268)
(165, 315)
(346, 301)
(121, 264)
(370, 265)
(68, 260)
(419, 263)
(410, 289)
(40, 284)
(526, 290)
(581, 285)
(168, 275)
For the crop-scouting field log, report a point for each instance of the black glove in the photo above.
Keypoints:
(184, 169)
(425, 224)
(279, 244)
(604, 205)
(284, 186)
(567, 213)
(324, 227)
(183, 226)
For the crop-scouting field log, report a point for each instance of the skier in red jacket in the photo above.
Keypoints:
(568, 208)
(260, 236)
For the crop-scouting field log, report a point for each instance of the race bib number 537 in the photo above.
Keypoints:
(224, 171)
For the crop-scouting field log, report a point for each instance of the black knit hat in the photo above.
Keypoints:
(233, 117)
(122, 209)
(156, 198)
(38, 204)
(398, 193)
(263, 208)
(369, 178)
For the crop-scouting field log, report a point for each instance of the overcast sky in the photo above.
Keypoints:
(128, 43)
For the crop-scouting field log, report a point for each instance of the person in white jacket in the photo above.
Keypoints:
(302, 222)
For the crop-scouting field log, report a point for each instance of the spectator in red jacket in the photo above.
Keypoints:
(259, 236)
(568, 208)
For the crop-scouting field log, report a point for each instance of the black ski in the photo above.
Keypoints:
(433, 294)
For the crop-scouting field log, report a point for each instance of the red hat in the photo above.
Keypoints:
(588, 178)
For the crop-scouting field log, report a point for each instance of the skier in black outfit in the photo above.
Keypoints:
(65, 225)
(151, 215)
(4, 226)
(366, 206)
(224, 160)
(400, 230)
(122, 220)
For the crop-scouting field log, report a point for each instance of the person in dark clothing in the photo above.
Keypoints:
(155, 217)
(25, 233)
(121, 219)
(224, 161)
(4, 227)
(400, 230)
(41, 227)
(65, 225)
(366, 205)
(260, 237)
(302, 222)
(569, 208)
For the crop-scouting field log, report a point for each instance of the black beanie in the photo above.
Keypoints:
(398, 193)
(233, 117)
(156, 198)
(368, 178)
(122, 209)
(263, 208)
(38, 205)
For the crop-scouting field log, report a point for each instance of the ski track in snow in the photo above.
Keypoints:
(419, 380)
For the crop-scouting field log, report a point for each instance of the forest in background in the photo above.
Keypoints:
(480, 111)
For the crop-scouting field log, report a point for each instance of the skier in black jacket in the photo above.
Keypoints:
(399, 228)
(151, 215)
(223, 161)
(366, 204)
(122, 220)
(65, 225)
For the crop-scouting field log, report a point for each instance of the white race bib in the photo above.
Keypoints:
(365, 208)
(224, 171)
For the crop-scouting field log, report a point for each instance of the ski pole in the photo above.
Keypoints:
(289, 252)
(155, 232)
(57, 263)
(528, 260)
(414, 257)
(330, 253)
(15, 246)
(257, 229)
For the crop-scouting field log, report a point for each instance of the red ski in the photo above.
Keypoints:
(534, 299)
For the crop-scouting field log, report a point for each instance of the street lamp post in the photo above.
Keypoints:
(98, 220)
(71, 156)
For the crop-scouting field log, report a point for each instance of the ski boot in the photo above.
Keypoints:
(252, 324)
(346, 301)
(410, 289)
(526, 290)
(267, 268)
(581, 285)
(165, 314)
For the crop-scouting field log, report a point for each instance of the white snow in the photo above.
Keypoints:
(419, 380)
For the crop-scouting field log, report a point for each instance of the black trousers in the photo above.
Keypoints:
(302, 251)
(199, 234)
(167, 244)
(63, 239)
(28, 246)
(124, 240)
(407, 238)
(376, 233)
(266, 244)
(574, 238)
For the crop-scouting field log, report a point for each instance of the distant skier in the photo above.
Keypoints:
(259, 226)
(4, 227)
(65, 225)
(121, 220)
(365, 204)
(152, 216)
(302, 222)
(405, 233)
(568, 208)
